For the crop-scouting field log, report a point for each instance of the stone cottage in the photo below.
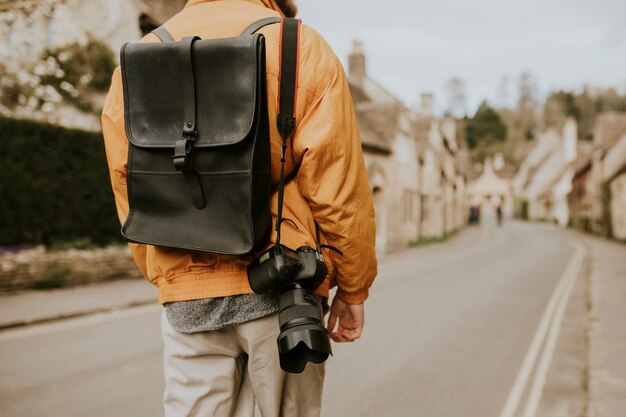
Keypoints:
(544, 179)
(615, 177)
(607, 176)
(491, 189)
(390, 152)
(579, 199)
(414, 162)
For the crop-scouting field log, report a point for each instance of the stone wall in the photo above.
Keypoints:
(38, 268)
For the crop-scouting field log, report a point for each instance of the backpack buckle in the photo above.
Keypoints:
(182, 153)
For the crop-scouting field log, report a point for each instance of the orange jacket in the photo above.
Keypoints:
(331, 186)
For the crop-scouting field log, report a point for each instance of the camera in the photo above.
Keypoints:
(295, 274)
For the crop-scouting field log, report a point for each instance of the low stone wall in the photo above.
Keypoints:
(38, 268)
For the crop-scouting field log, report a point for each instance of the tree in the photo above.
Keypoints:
(485, 128)
(502, 92)
(584, 106)
(526, 107)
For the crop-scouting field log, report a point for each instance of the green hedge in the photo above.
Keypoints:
(54, 186)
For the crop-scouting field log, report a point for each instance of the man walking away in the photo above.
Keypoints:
(220, 337)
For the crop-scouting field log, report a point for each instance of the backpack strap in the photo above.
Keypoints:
(163, 34)
(253, 27)
(183, 147)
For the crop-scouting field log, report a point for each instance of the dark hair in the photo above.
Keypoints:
(288, 7)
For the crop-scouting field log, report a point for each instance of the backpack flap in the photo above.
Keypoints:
(198, 168)
(226, 74)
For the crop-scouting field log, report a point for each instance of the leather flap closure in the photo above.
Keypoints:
(226, 75)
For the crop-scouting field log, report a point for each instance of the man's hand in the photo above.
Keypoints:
(351, 320)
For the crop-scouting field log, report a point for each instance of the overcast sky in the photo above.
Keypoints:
(416, 46)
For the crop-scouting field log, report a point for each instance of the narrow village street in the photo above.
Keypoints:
(477, 149)
(493, 322)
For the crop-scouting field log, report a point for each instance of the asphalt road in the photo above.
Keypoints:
(448, 328)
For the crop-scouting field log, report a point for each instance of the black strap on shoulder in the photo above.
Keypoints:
(290, 38)
(253, 27)
(286, 114)
(163, 34)
(183, 147)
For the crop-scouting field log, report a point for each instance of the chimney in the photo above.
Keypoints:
(426, 105)
(488, 167)
(498, 161)
(570, 139)
(356, 61)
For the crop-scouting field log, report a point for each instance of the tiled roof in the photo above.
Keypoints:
(357, 93)
(367, 89)
(378, 124)
(583, 158)
(533, 169)
(609, 128)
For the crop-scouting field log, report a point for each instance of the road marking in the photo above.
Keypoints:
(45, 328)
(541, 374)
(558, 297)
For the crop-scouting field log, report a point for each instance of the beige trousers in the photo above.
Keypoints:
(222, 373)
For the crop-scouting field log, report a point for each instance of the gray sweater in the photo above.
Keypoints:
(215, 313)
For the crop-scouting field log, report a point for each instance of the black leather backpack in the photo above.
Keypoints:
(199, 145)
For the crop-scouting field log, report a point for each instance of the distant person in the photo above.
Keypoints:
(499, 214)
(474, 215)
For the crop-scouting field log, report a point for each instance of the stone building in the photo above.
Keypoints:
(579, 200)
(490, 189)
(544, 179)
(390, 152)
(578, 183)
(412, 160)
(606, 174)
(615, 174)
(28, 28)
(443, 195)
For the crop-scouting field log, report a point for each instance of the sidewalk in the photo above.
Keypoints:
(607, 362)
(40, 306)
(33, 307)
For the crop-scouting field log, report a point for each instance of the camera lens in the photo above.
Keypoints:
(303, 337)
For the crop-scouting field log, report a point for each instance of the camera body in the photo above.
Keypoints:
(273, 269)
(295, 274)
(280, 266)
